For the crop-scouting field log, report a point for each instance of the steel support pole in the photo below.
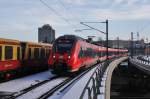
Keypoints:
(107, 39)
(132, 45)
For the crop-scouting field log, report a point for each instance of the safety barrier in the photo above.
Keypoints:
(93, 85)
(143, 60)
(140, 63)
(98, 86)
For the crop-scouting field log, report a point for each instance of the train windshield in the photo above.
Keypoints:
(64, 46)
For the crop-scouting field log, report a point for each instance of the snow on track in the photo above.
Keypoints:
(22, 83)
(74, 91)
(36, 93)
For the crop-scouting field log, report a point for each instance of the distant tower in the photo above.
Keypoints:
(138, 36)
(46, 34)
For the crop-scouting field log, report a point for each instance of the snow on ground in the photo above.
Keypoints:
(75, 91)
(146, 57)
(36, 93)
(21, 83)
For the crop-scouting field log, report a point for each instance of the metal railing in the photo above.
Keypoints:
(142, 60)
(92, 88)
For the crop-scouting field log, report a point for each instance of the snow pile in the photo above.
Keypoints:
(21, 83)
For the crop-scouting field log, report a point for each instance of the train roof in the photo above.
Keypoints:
(17, 42)
(74, 37)
(37, 44)
(9, 41)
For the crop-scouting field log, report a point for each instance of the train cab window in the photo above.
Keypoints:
(0, 52)
(63, 46)
(36, 53)
(8, 52)
(18, 53)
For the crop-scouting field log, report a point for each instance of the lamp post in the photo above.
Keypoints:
(148, 52)
(118, 44)
(147, 47)
(132, 44)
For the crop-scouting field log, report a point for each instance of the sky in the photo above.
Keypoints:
(20, 19)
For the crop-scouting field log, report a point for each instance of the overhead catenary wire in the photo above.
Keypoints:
(68, 10)
(75, 16)
(56, 13)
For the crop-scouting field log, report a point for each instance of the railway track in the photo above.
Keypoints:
(59, 87)
(26, 90)
(64, 85)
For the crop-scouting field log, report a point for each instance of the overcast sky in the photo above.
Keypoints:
(20, 19)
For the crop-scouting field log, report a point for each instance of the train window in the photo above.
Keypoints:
(80, 53)
(0, 52)
(103, 54)
(42, 53)
(23, 49)
(36, 53)
(29, 53)
(39, 52)
(110, 53)
(89, 52)
(8, 52)
(18, 53)
(47, 52)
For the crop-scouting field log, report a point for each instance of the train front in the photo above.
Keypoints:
(61, 58)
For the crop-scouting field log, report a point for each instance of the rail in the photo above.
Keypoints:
(93, 85)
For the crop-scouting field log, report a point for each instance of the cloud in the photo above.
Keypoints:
(26, 16)
(130, 13)
(76, 2)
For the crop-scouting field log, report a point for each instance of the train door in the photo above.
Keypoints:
(80, 56)
(23, 49)
(0, 52)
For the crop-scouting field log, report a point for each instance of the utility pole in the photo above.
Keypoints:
(132, 45)
(107, 39)
(138, 36)
(106, 32)
(137, 50)
(118, 44)
(147, 47)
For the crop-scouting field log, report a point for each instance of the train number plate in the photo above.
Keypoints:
(60, 57)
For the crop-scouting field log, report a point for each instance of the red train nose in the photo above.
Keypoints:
(61, 57)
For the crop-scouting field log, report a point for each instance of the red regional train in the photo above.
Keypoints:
(71, 53)
(19, 57)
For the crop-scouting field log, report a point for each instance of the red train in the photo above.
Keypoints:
(18, 57)
(71, 53)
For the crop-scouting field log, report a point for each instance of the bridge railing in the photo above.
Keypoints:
(92, 88)
(143, 60)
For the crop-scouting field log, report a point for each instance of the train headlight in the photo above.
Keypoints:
(54, 56)
(69, 57)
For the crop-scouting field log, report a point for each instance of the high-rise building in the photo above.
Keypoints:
(46, 34)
